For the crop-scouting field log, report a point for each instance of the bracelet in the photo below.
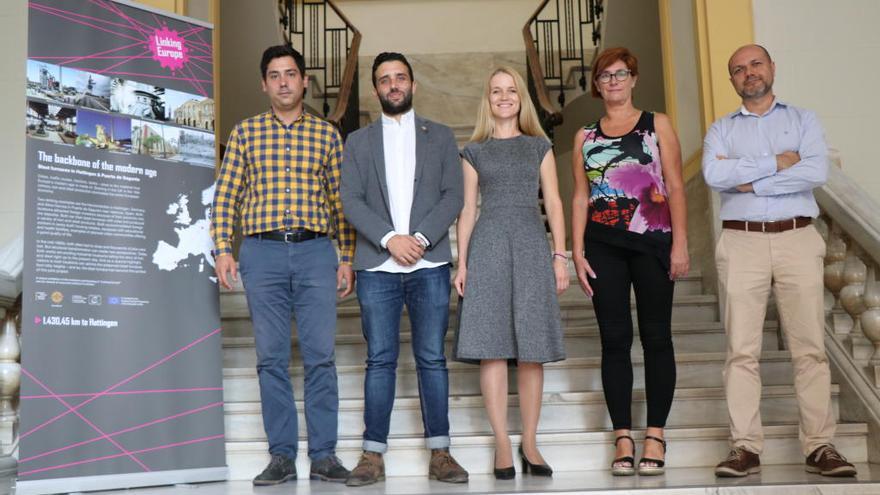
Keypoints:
(560, 255)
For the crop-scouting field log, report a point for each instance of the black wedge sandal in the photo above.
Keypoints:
(653, 470)
(624, 470)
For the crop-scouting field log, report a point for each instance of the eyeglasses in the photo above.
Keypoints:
(620, 76)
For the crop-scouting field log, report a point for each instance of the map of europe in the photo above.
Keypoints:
(193, 237)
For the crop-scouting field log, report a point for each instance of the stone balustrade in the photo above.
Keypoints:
(10, 381)
(851, 228)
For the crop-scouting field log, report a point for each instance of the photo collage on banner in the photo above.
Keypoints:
(70, 106)
(121, 345)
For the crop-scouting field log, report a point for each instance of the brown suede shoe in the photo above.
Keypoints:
(740, 462)
(443, 467)
(370, 469)
(827, 461)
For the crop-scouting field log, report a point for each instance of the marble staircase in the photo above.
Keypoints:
(575, 431)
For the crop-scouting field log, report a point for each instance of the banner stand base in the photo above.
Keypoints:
(120, 481)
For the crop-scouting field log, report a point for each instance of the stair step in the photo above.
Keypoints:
(583, 451)
(577, 374)
(777, 479)
(560, 412)
(580, 341)
(692, 284)
(573, 312)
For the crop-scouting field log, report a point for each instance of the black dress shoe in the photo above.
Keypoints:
(536, 469)
(507, 473)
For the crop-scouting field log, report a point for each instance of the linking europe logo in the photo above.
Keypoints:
(169, 49)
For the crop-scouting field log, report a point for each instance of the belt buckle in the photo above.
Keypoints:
(290, 237)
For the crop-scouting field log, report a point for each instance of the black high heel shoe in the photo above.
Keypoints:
(507, 473)
(536, 469)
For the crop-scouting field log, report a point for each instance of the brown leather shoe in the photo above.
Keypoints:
(370, 469)
(827, 461)
(740, 462)
(443, 467)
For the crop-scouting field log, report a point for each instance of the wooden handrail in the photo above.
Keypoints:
(534, 63)
(348, 76)
(346, 94)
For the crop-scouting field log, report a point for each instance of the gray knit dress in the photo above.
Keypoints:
(510, 309)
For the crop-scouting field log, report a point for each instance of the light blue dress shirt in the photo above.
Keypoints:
(749, 144)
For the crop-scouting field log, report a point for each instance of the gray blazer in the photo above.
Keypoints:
(437, 193)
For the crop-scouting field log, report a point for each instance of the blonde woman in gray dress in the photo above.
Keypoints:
(508, 276)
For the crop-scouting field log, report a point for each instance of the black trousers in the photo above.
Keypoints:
(617, 269)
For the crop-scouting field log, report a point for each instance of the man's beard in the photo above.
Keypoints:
(391, 108)
(757, 91)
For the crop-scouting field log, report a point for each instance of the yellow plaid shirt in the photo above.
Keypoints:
(280, 177)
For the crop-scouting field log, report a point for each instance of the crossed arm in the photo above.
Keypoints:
(791, 171)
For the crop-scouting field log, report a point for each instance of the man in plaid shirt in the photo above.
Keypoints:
(280, 174)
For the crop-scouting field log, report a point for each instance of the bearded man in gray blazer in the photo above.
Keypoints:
(401, 190)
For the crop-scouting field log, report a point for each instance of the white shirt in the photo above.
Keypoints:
(399, 142)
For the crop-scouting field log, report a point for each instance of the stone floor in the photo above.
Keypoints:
(781, 480)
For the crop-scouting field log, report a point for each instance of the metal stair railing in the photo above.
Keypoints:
(330, 44)
(555, 46)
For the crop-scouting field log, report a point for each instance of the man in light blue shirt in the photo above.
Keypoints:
(765, 159)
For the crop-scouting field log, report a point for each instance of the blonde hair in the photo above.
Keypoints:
(528, 121)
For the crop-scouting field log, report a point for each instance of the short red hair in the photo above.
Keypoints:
(608, 57)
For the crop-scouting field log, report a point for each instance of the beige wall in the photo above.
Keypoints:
(13, 38)
(246, 31)
(686, 76)
(439, 26)
(826, 61)
(199, 9)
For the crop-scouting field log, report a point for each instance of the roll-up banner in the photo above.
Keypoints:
(121, 348)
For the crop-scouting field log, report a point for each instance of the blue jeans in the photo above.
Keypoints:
(284, 281)
(382, 296)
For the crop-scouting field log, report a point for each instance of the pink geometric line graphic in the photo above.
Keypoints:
(131, 24)
(122, 432)
(118, 73)
(109, 57)
(86, 420)
(94, 19)
(120, 26)
(109, 6)
(88, 57)
(51, 11)
(197, 66)
(201, 89)
(127, 392)
(129, 59)
(113, 456)
(123, 382)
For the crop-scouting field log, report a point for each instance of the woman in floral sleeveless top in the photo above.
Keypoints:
(629, 231)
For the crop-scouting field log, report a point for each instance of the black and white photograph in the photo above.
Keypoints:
(137, 99)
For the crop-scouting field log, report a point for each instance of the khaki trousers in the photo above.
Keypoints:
(749, 264)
